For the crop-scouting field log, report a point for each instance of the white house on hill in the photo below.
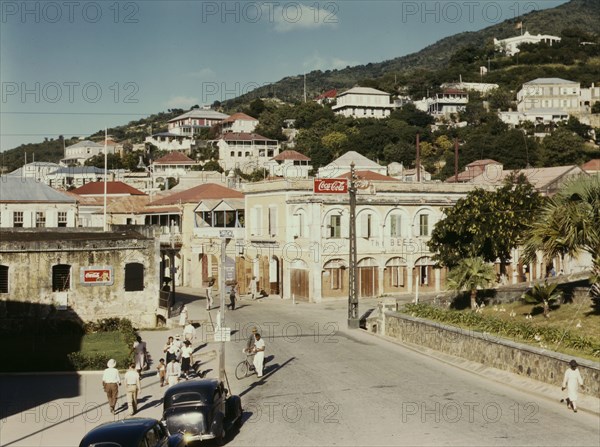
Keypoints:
(78, 153)
(363, 102)
(511, 45)
(239, 122)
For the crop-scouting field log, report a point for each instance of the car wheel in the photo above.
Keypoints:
(238, 421)
(220, 440)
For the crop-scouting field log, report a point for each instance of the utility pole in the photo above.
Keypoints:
(456, 160)
(226, 236)
(418, 159)
(353, 321)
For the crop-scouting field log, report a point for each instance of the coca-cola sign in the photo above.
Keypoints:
(96, 276)
(330, 186)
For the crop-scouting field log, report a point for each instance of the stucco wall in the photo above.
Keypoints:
(538, 364)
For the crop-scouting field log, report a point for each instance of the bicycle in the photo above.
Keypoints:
(245, 368)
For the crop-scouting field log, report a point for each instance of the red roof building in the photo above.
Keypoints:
(592, 166)
(112, 188)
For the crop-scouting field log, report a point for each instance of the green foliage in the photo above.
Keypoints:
(596, 107)
(545, 294)
(510, 329)
(487, 224)
(471, 274)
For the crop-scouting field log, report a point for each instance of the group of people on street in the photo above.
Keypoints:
(111, 380)
(233, 293)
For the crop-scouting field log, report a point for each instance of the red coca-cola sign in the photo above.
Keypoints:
(96, 276)
(330, 186)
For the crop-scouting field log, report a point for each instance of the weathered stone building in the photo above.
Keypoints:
(92, 273)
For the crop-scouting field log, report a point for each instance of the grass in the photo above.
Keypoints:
(111, 344)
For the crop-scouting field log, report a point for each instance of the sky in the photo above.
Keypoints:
(73, 67)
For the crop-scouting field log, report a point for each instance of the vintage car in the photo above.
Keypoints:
(132, 432)
(201, 410)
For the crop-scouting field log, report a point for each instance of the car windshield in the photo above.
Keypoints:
(181, 398)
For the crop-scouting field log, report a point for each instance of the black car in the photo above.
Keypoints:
(133, 432)
(201, 410)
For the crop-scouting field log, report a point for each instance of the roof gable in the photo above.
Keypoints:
(27, 189)
(353, 157)
(174, 158)
(97, 188)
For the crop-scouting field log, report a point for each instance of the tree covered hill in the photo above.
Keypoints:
(576, 14)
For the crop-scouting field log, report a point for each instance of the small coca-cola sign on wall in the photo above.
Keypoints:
(330, 186)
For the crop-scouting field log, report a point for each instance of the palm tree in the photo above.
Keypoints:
(569, 223)
(471, 274)
(544, 294)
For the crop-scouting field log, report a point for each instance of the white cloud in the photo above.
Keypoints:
(297, 16)
(181, 102)
(202, 73)
(318, 62)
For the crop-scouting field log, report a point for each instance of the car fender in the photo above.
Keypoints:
(217, 424)
(176, 441)
(232, 407)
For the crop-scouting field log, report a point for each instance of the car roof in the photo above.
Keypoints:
(202, 386)
(127, 432)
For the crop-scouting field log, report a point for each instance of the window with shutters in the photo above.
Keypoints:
(335, 276)
(366, 226)
(335, 226)
(395, 225)
(424, 225)
(272, 221)
(134, 277)
(3, 279)
(61, 277)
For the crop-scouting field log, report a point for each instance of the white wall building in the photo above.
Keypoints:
(239, 122)
(363, 102)
(38, 170)
(549, 94)
(480, 87)
(78, 153)
(193, 121)
(27, 203)
(511, 45)
(289, 164)
(246, 151)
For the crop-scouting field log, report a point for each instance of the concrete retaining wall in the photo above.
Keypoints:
(535, 363)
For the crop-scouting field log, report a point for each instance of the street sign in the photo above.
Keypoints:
(223, 334)
(330, 186)
(227, 234)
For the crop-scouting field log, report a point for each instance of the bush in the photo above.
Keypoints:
(122, 325)
(514, 329)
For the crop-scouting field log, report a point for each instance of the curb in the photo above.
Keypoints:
(550, 393)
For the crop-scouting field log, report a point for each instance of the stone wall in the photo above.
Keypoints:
(535, 363)
(30, 257)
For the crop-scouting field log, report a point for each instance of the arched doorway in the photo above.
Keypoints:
(368, 278)
(334, 278)
(395, 276)
(423, 274)
(299, 280)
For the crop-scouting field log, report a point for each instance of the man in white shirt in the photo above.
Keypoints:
(173, 372)
(132, 382)
(111, 381)
(259, 357)
(189, 332)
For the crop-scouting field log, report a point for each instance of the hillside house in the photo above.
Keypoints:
(363, 102)
(510, 46)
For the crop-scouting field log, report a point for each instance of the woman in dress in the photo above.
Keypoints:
(572, 381)
(183, 316)
(139, 354)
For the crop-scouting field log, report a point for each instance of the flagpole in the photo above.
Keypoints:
(105, 175)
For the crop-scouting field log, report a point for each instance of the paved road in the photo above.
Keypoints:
(325, 385)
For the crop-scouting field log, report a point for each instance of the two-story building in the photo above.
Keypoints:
(246, 151)
(549, 94)
(78, 153)
(363, 102)
(174, 164)
(510, 46)
(298, 241)
(289, 164)
(239, 123)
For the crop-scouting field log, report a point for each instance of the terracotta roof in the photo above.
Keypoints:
(239, 116)
(369, 175)
(290, 155)
(592, 165)
(328, 94)
(239, 136)
(174, 158)
(96, 188)
(198, 193)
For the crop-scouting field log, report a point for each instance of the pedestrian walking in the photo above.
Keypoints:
(186, 358)
(572, 381)
(232, 295)
(111, 381)
(171, 349)
(173, 372)
(183, 316)
(253, 288)
(209, 294)
(189, 332)
(139, 354)
(162, 371)
(133, 385)
(259, 357)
